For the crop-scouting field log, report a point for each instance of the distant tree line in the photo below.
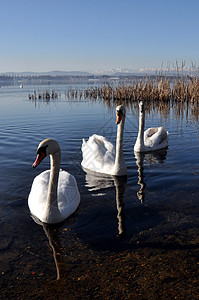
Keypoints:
(14, 80)
(7, 80)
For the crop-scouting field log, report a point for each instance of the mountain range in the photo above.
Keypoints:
(108, 72)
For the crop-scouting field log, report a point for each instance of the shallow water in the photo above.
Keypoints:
(130, 237)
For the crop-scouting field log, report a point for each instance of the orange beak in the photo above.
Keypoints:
(118, 118)
(39, 158)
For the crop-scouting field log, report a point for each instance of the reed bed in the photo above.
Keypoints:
(167, 89)
(161, 94)
(45, 95)
(146, 89)
(160, 88)
(180, 93)
(186, 91)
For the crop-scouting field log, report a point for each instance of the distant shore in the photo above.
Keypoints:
(17, 80)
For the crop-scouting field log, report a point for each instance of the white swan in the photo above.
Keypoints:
(54, 194)
(153, 138)
(99, 154)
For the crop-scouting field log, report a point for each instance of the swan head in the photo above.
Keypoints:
(45, 148)
(141, 105)
(120, 114)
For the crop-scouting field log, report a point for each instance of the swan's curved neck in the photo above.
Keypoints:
(141, 124)
(140, 138)
(53, 182)
(120, 166)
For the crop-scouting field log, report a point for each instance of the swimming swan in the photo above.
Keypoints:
(99, 154)
(153, 138)
(54, 194)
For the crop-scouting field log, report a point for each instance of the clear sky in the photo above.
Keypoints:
(86, 35)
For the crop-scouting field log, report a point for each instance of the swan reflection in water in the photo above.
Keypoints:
(53, 234)
(156, 157)
(96, 184)
(120, 184)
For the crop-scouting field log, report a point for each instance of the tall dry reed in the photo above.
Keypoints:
(180, 89)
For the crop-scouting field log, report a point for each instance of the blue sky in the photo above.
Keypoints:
(86, 35)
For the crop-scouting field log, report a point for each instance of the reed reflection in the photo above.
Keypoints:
(96, 184)
(163, 101)
(156, 157)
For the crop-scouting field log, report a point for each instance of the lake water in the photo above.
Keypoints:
(130, 237)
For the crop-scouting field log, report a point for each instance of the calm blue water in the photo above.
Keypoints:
(159, 197)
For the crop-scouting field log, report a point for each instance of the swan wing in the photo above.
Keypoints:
(39, 194)
(98, 154)
(156, 138)
(68, 197)
(67, 194)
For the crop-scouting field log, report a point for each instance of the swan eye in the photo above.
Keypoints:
(141, 107)
(42, 150)
(119, 115)
(119, 112)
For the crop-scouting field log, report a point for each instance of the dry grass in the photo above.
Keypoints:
(161, 89)
(176, 87)
(45, 95)
(179, 88)
(142, 89)
(186, 91)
